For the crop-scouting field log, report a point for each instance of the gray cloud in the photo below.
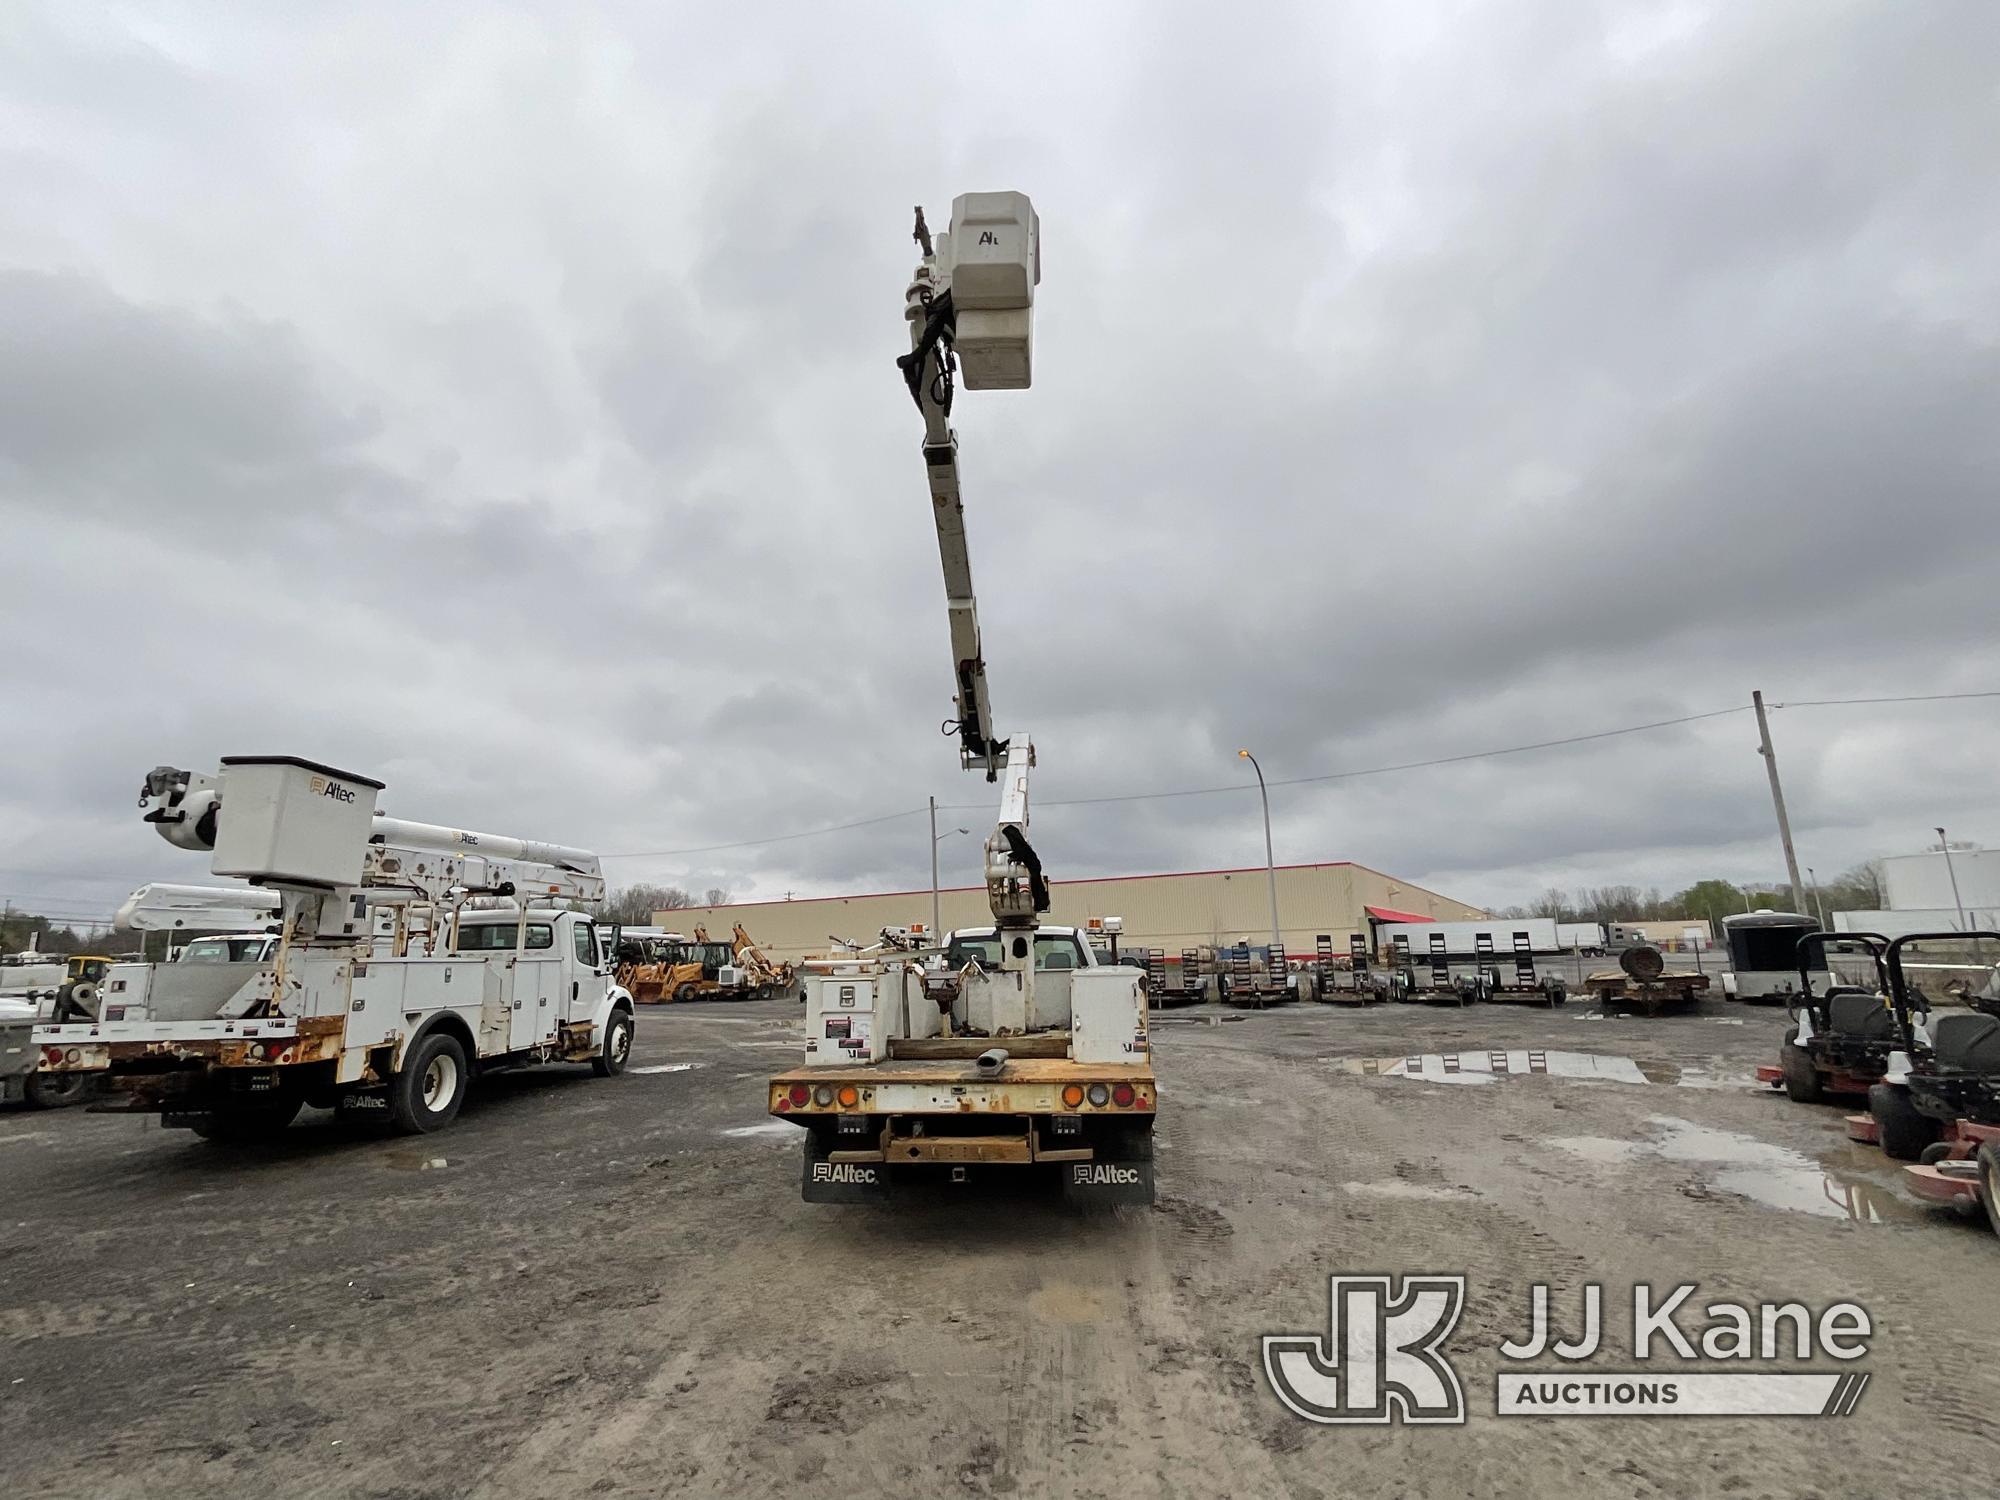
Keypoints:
(503, 403)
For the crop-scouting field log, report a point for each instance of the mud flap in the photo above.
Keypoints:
(1108, 1182)
(842, 1181)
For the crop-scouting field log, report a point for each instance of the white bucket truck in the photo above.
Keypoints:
(384, 993)
(1018, 1049)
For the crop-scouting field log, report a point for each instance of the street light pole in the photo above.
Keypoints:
(1818, 904)
(937, 922)
(1270, 859)
(1945, 844)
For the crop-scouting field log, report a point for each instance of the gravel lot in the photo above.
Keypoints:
(611, 1287)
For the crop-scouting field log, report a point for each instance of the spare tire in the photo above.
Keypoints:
(1643, 963)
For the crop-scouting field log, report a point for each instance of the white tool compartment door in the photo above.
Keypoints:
(536, 987)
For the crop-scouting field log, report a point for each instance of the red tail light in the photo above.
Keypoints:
(1123, 1095)
(801, 1096)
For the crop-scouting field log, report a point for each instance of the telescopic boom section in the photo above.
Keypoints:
(929, 373)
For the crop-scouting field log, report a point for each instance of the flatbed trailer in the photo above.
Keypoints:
(1667, 992)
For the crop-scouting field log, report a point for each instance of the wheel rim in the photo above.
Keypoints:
(621, 1041)
(440, 1082)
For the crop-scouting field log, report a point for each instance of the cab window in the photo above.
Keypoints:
(1062, 952)
(225, 950)
(586, 944)
(498, 937)
(1052, 951)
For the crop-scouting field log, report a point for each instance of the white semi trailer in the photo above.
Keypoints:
(383, 994)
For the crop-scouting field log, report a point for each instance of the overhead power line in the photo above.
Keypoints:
(776, 838)
(1913, 698)
(1384, 770)
(1408, 765)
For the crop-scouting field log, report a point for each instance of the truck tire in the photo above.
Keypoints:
(426, 1095)
(1802, 1081)
(56, 1090)
(617, 1050)
(1902, 1132)
(249, 1121)
(685, 993)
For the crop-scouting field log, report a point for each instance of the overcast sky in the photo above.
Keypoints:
(500, 401)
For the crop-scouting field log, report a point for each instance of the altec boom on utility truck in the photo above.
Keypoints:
(384, 993)
(952, 1068)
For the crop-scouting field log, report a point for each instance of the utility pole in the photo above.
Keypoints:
(1270, 859)
(1945, 844)
(1778, 801)
(1819, 905)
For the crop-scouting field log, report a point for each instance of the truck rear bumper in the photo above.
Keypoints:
(161, 1045)
(1097, 1183)
(1112, 1163)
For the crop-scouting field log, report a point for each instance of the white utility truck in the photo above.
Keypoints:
(1019, 1049)
(384, 991)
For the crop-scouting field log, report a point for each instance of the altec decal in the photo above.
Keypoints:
(1101, 1175)
(322, 786)
(827, 1171)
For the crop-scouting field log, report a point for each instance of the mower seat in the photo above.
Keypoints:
(1859, 1015)
(1967, 1042)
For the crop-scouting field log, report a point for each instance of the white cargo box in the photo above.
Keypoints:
(1107, 1017)
(293, 822)
(848, 1018)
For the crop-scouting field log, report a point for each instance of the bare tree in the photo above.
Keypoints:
(1858, 889)
(715, 895)
(1610, 903)
(1553, 902)
(634, 905)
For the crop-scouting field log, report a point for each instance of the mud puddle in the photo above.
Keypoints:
(1834, 1187)
(413, 1161)
(1485, 1067)
(769, 1130)
(1409, 1190)
(1196, 1020)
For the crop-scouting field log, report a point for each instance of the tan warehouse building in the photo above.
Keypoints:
(1170, 912)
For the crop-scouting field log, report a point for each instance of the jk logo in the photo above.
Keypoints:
(1379, 1362)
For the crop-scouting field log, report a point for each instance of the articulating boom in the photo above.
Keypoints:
(973, 293)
